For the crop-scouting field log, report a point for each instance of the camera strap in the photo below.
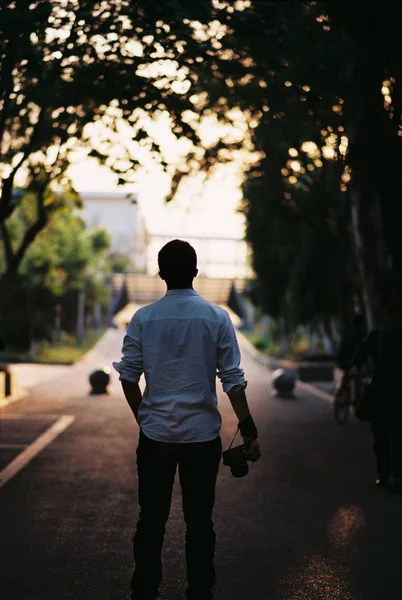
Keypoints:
(231, 443)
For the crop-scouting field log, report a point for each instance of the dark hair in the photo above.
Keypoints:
(177, 262)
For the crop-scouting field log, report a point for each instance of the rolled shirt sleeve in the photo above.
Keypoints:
(228, 366)
(131, 366)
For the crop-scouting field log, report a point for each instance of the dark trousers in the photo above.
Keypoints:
(388, 447)
(157, 463)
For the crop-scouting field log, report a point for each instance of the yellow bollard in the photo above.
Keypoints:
(2, 385)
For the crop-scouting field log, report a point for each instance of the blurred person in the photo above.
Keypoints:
(352, 336)
(180, 343)
(383, 401)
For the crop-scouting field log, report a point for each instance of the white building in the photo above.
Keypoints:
(120, 215)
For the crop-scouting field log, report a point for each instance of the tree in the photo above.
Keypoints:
(321, 73)
(330, 73)
(63, 259)
(68, 65)
(302, 252)
(121, 263)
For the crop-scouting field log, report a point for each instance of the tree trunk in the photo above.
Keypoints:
(8, 282)
(313, 339)
(283, 336)
(97, 316)
(14, 257)
(81, 316)
(360, 251)
(327, 336)
(266, 321)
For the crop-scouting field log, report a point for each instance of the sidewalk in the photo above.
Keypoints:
(321, 389)
(31, 374)
(35, 375)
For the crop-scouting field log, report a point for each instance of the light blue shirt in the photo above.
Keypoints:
(181, 343)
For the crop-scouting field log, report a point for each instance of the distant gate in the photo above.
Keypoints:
(142, 289)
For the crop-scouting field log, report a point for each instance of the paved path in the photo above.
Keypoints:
(30, 375)
(34, 376)
(306, 524)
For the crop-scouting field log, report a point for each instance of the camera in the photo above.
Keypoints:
(236, 459)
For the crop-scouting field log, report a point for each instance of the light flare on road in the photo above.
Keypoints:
(345, 525)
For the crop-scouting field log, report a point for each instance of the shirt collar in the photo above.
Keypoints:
(182, 292)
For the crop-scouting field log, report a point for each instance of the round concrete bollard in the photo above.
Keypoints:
(99, 380)
(284, 382)
(10, 382)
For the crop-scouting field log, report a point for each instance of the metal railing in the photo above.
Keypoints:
(142, 289)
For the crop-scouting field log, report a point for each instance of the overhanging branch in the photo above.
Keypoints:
(6, 207)
(29, 147)
(7, 84)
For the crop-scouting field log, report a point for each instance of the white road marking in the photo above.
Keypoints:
(28, 416)
(35, 448)
(312, 389)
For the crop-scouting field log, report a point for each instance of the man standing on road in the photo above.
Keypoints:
(180, 343)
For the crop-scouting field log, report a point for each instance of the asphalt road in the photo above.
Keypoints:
(306, 524)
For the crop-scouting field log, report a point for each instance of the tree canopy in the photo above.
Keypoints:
(323, 82)
(66, 65)
(63, 259)
(318, 84)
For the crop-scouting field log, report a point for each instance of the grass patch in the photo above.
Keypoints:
(297, 349)
(69, 351)
(258, 341)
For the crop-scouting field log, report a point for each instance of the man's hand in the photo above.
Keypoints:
(252, 450)
(133, 396)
